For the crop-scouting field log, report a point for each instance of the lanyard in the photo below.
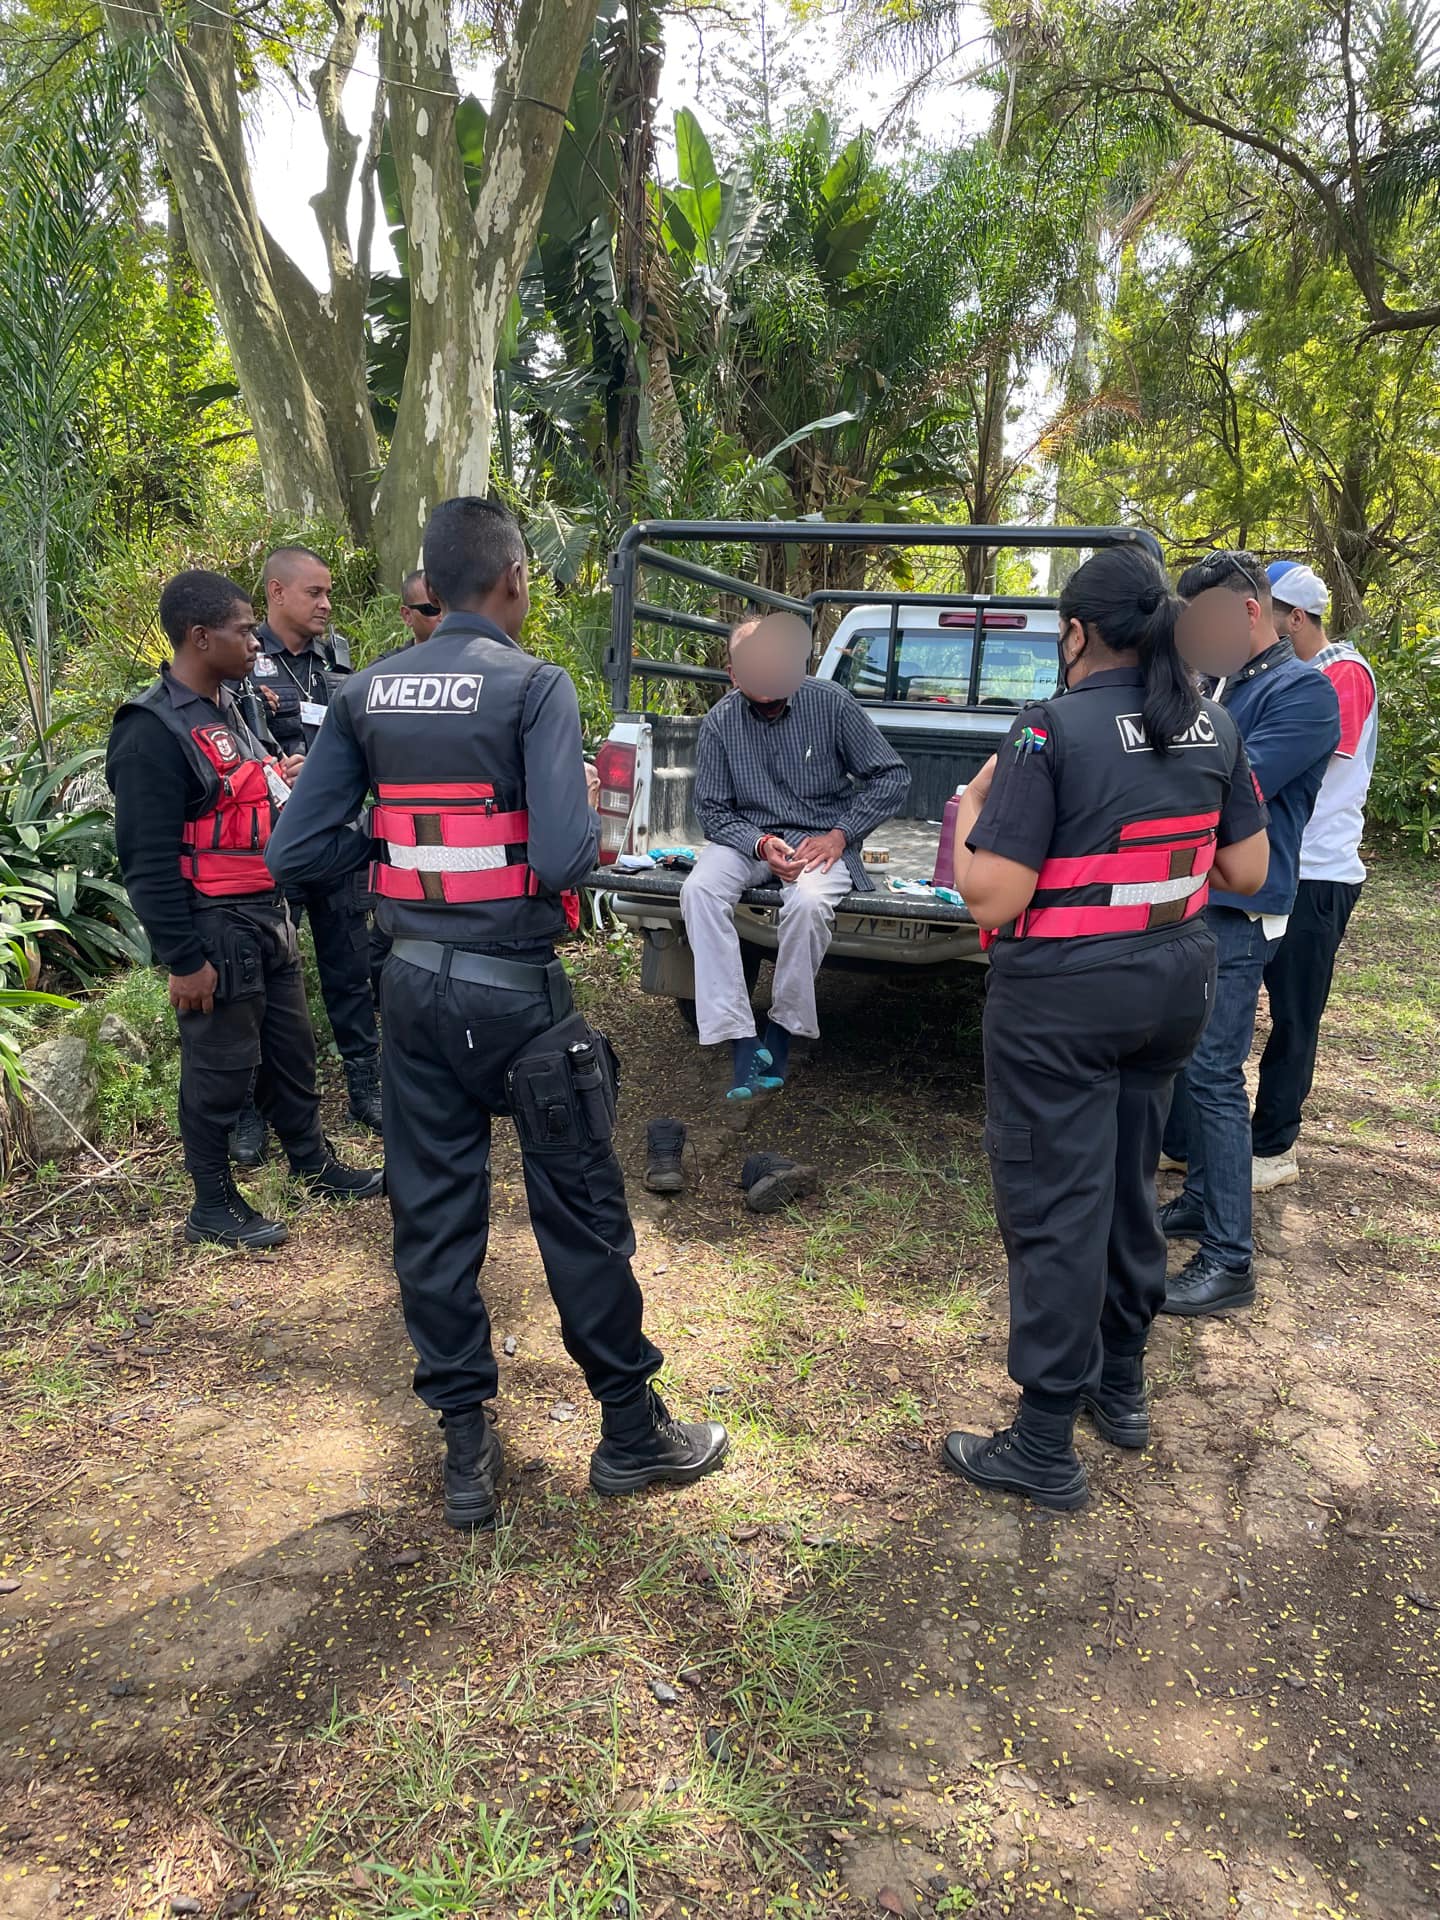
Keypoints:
(307, 685)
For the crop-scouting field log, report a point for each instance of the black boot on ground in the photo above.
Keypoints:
(223, 1217)
(328, 1178)
(665, 1156)
(640, 1444)
(248, 1139)
(1035, 1457)
(362, 1077)
(474, 1463)
(1119, 1406)
(772, 1182)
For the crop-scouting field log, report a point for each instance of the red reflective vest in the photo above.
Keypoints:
(223, 849)
(1134, 833)
(1156, 874)
(222, 844)
(451, 842)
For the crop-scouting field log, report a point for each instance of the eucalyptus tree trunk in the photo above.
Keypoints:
(464, 267)
(274, 324)
(634, 65)
(300, 353)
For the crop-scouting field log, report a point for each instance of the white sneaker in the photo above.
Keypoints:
(1167, 1165)
(1280, 1170)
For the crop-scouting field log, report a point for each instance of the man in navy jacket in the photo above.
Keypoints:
(1289, 720)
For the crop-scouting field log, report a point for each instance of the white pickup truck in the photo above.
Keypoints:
(942, 676)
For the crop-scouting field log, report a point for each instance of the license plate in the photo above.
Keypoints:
(873, 928)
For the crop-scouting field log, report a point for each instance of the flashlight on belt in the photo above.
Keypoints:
(585, 1071)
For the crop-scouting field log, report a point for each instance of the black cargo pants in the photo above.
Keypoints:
(340, 928)
(257, 1043)
(448, 1045)
(1078, 1070)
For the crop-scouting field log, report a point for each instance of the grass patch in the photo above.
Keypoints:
(551, 1785)
(1384, 1012)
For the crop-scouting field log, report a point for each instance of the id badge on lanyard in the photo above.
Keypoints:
(279, 792)
(312, 714)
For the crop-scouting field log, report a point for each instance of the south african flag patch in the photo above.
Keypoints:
(1031, 740)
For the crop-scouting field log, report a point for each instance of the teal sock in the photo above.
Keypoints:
(742, 1062)
(777, 1045)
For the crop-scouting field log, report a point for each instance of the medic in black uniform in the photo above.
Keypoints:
(195, 798)
(473, 752)
(1089, 844)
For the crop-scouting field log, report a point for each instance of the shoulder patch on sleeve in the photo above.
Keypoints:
(1034, 738)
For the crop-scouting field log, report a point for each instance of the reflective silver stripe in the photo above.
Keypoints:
(1154, 893)
(444, 859)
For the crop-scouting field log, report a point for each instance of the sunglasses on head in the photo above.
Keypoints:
(1221, 568)
(427, 607)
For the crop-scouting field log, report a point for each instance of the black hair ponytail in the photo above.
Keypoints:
(1123, 601)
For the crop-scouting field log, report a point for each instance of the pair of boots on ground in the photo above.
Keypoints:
(640, 1446)
(1036, 1455)
(223, 1217)
(250, 1135)
(769, 1179)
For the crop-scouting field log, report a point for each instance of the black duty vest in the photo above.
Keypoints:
(222, 852)
(1135, 830)
(439, 727)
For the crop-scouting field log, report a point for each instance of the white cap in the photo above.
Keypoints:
(1302, 587)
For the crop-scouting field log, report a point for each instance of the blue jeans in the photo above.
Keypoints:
(1210, 1112)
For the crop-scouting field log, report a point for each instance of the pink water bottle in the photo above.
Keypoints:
(944, 874)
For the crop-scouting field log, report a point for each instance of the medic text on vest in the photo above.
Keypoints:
(424, 693)
(1201, 733)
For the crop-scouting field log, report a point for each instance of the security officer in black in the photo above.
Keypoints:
(300, 664)
(472, 750)
(1089, 844)
(195, 797)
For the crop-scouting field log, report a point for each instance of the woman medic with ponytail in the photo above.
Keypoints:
(1085, 850)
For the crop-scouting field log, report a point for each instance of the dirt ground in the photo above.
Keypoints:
(246, 1670)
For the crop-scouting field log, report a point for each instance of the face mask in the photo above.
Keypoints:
(1065, 665)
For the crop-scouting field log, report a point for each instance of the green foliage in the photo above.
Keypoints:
(19, 1002)
(57, 861)
(572, 629)
(1405, 792)
(66, 177)
(136, 1096)
(124, 645)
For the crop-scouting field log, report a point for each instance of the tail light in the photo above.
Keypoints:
(994, 617)
(615, 764)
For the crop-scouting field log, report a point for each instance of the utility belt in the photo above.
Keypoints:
(236, 939)
(564, 1085)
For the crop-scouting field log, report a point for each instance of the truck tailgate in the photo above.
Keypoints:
(658, 885)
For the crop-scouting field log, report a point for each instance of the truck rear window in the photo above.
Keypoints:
(936, 668)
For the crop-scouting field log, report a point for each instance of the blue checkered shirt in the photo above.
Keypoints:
(823, 764)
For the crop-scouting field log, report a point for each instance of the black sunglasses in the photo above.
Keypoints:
(1220, 567)
(427, 607)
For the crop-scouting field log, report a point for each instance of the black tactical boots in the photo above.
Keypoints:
(1118, 1406)
(362, 1077)
(640, 1444)
(223, 1217)
(474, 1462)
(1035, 1457)
(248, 1139)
